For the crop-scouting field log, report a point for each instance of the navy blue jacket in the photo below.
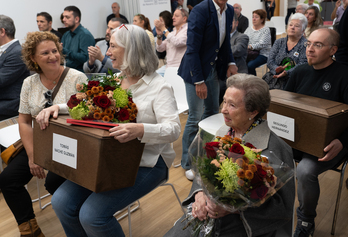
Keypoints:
(203, 44)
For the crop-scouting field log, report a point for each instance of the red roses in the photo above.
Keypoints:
(73, 102)
(210, 148)
(237, 148)
(102, 101)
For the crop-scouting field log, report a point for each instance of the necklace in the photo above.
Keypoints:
(55, 80)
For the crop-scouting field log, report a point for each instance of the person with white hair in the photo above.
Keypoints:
(85, 213)
(301, 8)
(287, 53)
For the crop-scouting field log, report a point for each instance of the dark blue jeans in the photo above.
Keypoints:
(270, 10)
(290, 10)
(85, 213)
(252, 65)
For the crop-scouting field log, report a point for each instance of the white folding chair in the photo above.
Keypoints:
(9, 135)
(130, 209)
(279, 24)
(172, 77)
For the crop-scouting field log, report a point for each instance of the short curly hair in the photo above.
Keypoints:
(33, 39)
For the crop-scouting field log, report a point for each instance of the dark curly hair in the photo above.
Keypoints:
(32, 41)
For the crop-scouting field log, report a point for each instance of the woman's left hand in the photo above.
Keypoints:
(283, 74)
(43, 117)
(279, 69)
(215, 211)
(125, 132)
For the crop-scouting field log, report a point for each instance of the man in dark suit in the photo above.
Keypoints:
(207, 58)
(239, 46)
(12, 69)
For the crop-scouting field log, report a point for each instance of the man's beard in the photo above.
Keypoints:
(309, 61)
(71, 26)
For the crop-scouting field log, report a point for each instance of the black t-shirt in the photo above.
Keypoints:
(329, 83)
(58, 34)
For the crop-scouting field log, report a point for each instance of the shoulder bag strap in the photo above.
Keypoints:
(61, 79)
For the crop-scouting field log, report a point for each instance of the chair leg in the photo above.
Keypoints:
(338, 198)
(39, 197)
(176, 194)
(131, 211)
(129, 222)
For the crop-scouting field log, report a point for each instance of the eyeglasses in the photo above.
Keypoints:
(48, 97)
(316, 45)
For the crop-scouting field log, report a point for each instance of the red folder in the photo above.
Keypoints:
(92, 124)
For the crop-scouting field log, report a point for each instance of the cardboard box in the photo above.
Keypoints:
(87, 156)
(316, 121)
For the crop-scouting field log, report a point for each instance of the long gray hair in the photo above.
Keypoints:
(139, 57)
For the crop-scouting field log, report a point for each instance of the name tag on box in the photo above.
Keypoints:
(281, 125)
(64, 150)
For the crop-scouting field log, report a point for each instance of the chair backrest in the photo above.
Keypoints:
(279, 24)
(172, 77)
(273, 34)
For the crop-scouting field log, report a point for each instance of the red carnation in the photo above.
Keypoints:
(237, 148)
(123, 115)
(109, 88)
(210, 148)
(259, 193)
(130, 99)
(73, 101)
(92, 83)
(249, 145)
(102, 101)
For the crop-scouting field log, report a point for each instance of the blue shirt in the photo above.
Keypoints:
(75, 45)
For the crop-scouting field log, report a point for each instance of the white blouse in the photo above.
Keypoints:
(157, 110)
(32, 99)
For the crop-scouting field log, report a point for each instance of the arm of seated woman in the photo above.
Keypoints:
(26, 132)
(43, 117)
(127, 131)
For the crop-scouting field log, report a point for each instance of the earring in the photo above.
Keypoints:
(36, 66)
(249, 119)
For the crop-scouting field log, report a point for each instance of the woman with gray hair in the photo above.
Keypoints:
(85, 213)
(287, 53)
(246, 101)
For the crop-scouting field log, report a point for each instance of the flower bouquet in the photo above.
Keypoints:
(234, 175)
(102, 99)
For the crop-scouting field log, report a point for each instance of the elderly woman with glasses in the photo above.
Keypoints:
(42, 54)
(287, 53)
(85, 213)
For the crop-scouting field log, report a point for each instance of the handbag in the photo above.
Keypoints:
(9, 153)
(252, 55)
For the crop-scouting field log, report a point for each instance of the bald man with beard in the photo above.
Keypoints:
(324, 78)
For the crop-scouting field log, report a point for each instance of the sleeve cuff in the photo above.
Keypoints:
(229, 64)
(63, 109)
(198, 82)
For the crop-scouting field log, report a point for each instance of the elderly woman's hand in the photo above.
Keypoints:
(198, 207)
(43, 117)
(127, 131)
(215, 211)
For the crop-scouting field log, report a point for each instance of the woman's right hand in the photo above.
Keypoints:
(43, 117)
(198, 207)
(36, 170)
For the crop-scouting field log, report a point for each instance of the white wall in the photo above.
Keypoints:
(23, 12)
(94, 13)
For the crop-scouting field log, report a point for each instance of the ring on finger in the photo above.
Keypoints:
(216, 213)
(196, 208)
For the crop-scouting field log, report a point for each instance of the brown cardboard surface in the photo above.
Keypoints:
(103, 163)
(317, 121)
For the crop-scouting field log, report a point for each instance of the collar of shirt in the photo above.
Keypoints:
(73, 33)
(233, 33)
(5, 46)
(222, 22)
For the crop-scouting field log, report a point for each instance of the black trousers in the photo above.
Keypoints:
(12, 184)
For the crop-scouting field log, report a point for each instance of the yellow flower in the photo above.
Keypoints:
(97, 116)
(249, 174)
(241, 173)
(95, 90)
(106, 118)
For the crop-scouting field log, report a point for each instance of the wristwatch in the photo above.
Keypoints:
(165, 31)
(159, 36)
